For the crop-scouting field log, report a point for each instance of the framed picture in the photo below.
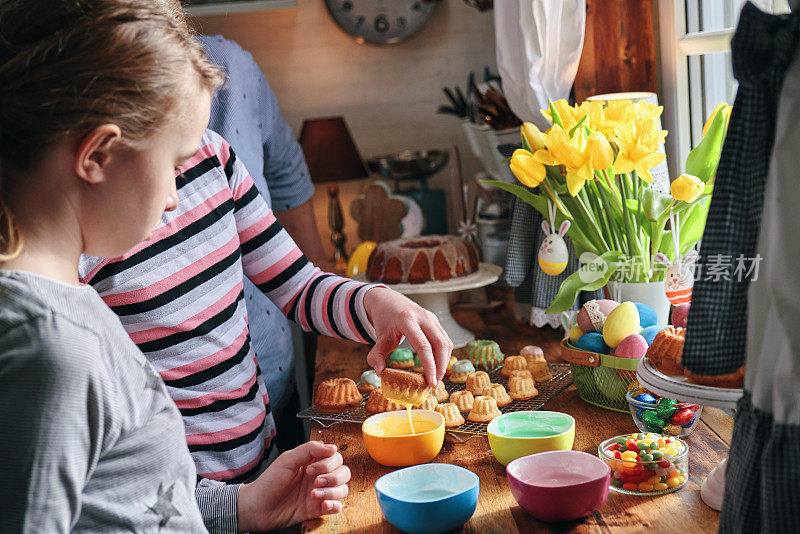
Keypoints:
(214, 7)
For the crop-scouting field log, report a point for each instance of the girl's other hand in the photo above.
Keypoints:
(306, 482)
(394, 316)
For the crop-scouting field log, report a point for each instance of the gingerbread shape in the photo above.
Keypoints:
(378, 213)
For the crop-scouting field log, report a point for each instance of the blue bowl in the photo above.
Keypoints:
(428, 498)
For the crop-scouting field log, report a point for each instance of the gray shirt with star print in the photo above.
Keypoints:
(89, 438)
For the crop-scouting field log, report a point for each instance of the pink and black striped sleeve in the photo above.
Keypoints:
(320, 302)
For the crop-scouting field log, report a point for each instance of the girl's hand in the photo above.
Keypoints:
(304, 483)
(393, 316)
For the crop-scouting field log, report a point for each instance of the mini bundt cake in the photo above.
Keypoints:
(537, 365)
(521, 388)
(404, 386)
(401, 359)
(337, 394)
(463, 400)
(429, 404)
(521, 374)
(452, 415)
(484, 409)
(513, 363)
(417, 365)
(461, 369)
(450, 365)
(478, 382)
(440, 392)
(532, 353)
(498, 393)
(377, 403)
(484, 354)
(369, 381)
(417, 260)
(665, 351)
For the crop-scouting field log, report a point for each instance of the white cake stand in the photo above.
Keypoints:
(680, 389)
(433, 296)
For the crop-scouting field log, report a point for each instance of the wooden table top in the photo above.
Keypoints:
(497, 510)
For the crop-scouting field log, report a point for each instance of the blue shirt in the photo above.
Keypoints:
(245, 112)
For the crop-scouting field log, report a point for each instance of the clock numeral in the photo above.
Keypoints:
(381, 24)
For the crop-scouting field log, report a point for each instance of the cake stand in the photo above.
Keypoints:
(433, 296)
(680, 389)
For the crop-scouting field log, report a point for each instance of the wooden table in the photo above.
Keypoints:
(497, 510)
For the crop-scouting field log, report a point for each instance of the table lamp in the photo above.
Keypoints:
(332, 157)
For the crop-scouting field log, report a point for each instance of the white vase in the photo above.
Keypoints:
(650, 293)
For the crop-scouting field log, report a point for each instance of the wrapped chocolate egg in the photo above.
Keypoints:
(621, 323)
(592, 315)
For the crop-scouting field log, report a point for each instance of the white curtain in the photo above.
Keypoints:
(538, 45)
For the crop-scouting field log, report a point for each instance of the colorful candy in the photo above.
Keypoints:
(659, 414)
(646, 462)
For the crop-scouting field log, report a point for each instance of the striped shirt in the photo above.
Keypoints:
(179, 295)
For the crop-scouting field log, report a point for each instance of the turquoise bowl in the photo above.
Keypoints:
(428, 498)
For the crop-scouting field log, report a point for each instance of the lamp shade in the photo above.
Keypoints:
(330, 152)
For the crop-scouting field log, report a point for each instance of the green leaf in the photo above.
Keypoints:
(554, 114)
(703, 159)
(577, 125)
(573, 284)
(655, 203)
(525, 143)
(693, 226)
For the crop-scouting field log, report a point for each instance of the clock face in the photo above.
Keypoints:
(381, 21)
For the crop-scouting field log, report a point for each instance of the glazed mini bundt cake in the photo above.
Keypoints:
(452, 415)
(513, 363)
(665, 351)
(417, 260)
(404, 386)
(477, 382)
(417, 365)
(520, 388)
(377, 403)
(337, 394)
(401, 359)
(484, 409)
(461, 369)
(463, 400)
(537, 365)
(499, 394)
(369, 381)
(484, 354)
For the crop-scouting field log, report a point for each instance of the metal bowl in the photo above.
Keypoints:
(409, 164)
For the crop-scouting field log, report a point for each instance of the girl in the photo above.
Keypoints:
(100, 102)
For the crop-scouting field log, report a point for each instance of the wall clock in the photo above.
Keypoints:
(381, 21)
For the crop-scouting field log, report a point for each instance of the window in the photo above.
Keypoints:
(696, 68)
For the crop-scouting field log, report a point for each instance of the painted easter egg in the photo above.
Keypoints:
(575, 333)
(680, 315)
(592, 342)
(634, 346)
(592, 315)
(621, 323)
(649, 333)
(553, 255)
(678, 284)
(647, 315)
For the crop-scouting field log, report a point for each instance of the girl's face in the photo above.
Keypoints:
(140, 187)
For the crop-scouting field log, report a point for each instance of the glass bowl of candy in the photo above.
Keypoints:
(652, 413)
(646, 463)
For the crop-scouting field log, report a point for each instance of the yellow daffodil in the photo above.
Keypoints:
(722, 106)
(533, 136)
(687, 187)
(569, 115)
(527, 170)
(601, 151)
(638, 147)
(594, 111)
(616, 113)
(572, 153)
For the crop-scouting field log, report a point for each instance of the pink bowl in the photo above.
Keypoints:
(559, 485)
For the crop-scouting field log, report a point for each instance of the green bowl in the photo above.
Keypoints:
(517, 434)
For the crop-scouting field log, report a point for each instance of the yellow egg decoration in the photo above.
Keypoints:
(574, 333)
(358, 259)
(553, 254)
(621, 323)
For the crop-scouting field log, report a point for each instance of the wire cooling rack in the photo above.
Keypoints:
(562, 378)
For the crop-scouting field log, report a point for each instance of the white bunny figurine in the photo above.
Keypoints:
(553, 254)
(679, 278)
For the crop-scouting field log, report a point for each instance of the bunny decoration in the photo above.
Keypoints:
(679, 278)
(553, 254)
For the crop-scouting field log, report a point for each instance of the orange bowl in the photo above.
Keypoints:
(403, 450)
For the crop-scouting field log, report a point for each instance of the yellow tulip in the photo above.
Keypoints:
(687, 187)
(638, 147)
(533, 136)
(527, 170)
(601, 151)
(722, 106)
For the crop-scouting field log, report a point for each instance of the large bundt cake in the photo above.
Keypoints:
(452, 415)
(484, 354)
(337, 394)
(417, 260)
(665, 351)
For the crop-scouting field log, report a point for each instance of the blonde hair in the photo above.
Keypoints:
(68, 66)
